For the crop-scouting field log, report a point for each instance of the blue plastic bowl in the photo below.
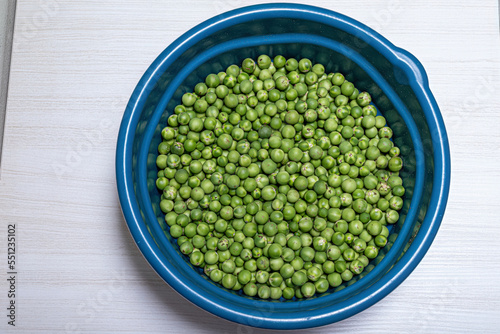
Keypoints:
(399, 87)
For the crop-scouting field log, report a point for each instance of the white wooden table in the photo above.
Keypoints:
(74, 66)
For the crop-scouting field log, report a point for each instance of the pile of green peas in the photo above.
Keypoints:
(279, 179)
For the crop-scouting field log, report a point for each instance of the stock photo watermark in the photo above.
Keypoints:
(85, 146)
(384, 17)
(11, 274)
(94, 304)
(46, 11)
(422, 319)
(86, 143)
(472, 103)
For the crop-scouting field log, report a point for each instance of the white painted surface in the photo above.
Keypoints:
(74, 66)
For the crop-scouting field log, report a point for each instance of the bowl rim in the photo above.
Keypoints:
(374, 293)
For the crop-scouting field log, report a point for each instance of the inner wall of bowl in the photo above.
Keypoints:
(332, 60)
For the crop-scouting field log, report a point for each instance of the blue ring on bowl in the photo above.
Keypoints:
(411, 67)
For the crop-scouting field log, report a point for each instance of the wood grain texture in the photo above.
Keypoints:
(74, 66)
